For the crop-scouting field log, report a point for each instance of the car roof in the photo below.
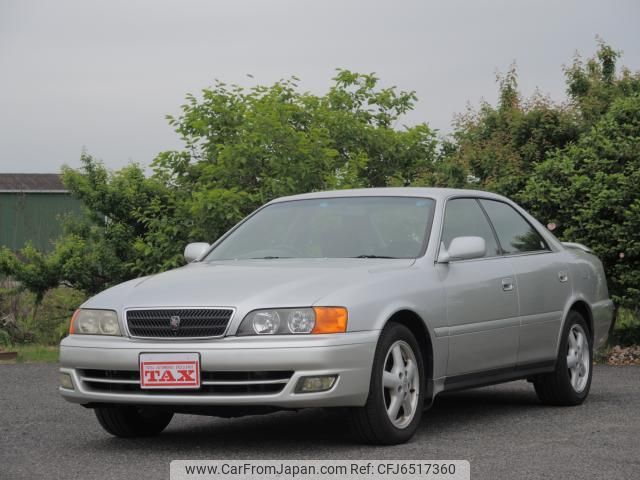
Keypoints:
(435, 193)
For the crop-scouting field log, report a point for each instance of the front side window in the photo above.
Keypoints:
(347, 227)
(516, 235)
(463, 217)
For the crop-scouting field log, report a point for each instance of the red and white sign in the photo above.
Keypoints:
(169, 370)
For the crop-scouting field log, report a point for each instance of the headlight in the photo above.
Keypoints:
(94, 322)
(294, 321)
(265, 323)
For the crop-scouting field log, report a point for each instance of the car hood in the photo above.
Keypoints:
(246, 284)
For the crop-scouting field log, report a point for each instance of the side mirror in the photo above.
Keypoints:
(193, 251)
(463, 248)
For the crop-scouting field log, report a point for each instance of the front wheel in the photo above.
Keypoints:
(396, 393)
(569, 384)
(133, 421)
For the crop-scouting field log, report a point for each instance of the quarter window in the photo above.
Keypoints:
(463, 217)
(514, 232)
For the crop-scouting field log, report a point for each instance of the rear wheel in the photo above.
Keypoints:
(569, 384)
(133, 421)
(396, 393)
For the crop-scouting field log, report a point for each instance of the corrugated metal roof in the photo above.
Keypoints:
(31, 182)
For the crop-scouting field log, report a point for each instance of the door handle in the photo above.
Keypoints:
(562, 276)
(507, 284)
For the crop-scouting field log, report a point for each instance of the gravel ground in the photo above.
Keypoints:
(503, 431)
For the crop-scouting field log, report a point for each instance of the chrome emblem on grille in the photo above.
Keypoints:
(174, 321)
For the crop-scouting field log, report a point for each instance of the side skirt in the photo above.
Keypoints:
(500, 375)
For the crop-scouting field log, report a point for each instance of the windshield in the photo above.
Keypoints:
(347, 227)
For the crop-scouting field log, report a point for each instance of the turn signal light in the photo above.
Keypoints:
(330, 320)
(71, 326)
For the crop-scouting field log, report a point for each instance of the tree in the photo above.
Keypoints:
(35, 271)
(102, 248)
(590, 190)
(594, 85)
(496, 148)
(243, 147)
(574, 164)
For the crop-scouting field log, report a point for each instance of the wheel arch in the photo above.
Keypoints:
(583, 308)
(576, 303)
(418, 327)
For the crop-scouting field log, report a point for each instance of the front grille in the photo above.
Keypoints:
(190, 323)
(212, 383)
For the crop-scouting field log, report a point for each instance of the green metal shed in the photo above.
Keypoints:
(31, 208)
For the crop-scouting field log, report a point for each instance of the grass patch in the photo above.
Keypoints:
(36, 353)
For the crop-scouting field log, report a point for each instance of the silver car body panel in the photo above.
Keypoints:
(473, 325)
(348, 355)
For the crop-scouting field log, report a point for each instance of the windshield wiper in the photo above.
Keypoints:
(372, 256)
(268, 257)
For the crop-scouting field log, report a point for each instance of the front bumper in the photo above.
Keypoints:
(348, 355)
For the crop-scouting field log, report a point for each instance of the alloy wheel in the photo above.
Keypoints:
(578, 358)
(400, 384)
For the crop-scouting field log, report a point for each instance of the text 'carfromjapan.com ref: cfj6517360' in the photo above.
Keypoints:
(320, 469)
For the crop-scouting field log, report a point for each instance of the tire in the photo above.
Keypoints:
(569, 384)
(128, 422)
(372, 423)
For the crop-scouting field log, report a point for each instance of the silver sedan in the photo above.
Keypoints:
(372, 300)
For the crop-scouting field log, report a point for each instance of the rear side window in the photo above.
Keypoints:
(463, 217)
(515, 234)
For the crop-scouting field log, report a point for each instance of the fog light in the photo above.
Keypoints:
(316, 384)
(65, 381)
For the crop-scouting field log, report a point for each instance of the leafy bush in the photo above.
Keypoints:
(5, 340)
(590, 191)
(627, 328)
(51, 320)
(576, 165)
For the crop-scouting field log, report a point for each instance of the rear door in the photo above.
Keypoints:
(481, 298)
(542, 279)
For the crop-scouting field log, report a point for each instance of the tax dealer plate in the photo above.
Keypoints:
(170, 370)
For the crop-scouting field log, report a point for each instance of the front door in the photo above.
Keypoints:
(481, 296)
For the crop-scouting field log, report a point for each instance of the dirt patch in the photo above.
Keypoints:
(623, 355)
